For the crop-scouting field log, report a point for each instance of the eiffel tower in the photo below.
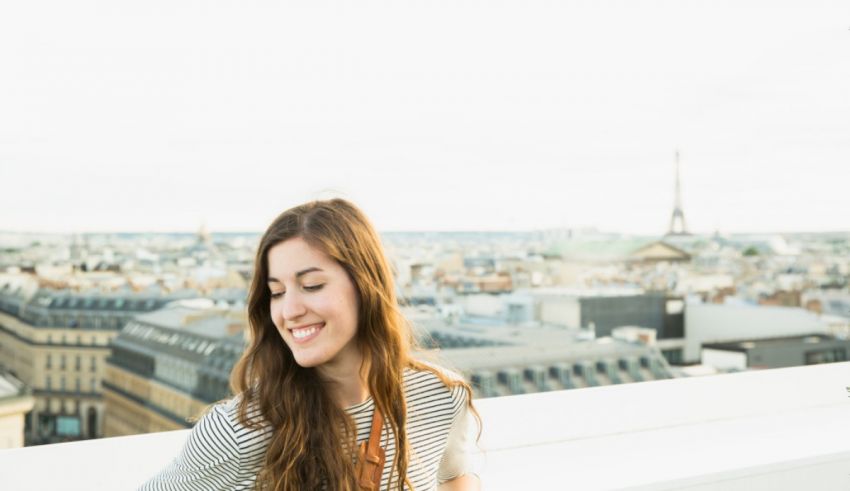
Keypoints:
(677, 221)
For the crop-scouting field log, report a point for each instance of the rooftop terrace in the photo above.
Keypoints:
(784, 429)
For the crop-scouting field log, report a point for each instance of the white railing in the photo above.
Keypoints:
(786, 429)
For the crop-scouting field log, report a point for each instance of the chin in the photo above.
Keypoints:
(307, 364)
(308, 361)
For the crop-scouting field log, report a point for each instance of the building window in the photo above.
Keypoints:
(673, 356)
(826, 356)
(49, 361)
(78, 363)
(48, 383)
(93, 363)
(93, 385)
(62, 383)
(62, 362)
(77, 384)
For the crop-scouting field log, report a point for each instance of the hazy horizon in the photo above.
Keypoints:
(579, 230)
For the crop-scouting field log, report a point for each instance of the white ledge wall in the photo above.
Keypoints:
(785, 429)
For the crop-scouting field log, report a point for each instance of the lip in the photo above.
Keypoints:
(320, 325)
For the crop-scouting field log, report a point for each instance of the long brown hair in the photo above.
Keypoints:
(312, 437)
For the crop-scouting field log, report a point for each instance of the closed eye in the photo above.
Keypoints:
(308, 288)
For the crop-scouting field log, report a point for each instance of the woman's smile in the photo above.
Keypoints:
(303, 334)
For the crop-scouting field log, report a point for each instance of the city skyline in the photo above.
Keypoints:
(542, 116)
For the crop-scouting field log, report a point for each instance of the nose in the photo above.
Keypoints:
(293, 306)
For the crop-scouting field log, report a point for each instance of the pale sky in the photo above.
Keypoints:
(443, 115)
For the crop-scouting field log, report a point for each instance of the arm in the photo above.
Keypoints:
(455, 472)
(466, 482)
(209, 460)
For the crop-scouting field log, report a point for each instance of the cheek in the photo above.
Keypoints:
(277, 317)
(344, 309)
(332, 306)
(350, 307)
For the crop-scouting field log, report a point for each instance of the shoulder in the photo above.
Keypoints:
(223, 412)
(435, 384)
(224, 424)
(231, 409)
(246, 438)
(217, 425)
(219, 414)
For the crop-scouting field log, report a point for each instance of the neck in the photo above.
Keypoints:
(347, 385)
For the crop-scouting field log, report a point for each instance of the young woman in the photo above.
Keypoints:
(329, 368)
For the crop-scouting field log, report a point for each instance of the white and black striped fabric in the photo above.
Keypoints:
(222, 454)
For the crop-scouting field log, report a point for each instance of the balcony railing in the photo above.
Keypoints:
(785, 429)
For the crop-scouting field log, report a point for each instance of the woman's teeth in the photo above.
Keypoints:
(304, 332)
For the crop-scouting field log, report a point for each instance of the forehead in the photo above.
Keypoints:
(293, 255)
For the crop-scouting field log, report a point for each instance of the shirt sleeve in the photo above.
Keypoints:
(456, 458)
(209, 460)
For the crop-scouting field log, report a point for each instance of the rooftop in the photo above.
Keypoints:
(10, 386)
(783, 429)
(745, 345)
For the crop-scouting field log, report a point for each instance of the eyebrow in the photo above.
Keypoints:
(297, 275)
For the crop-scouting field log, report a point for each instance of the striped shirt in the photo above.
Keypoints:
(222, 454)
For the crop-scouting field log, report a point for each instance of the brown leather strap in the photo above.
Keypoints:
(371, 457)
(375, 436)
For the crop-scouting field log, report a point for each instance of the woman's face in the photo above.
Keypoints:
(313, 305)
